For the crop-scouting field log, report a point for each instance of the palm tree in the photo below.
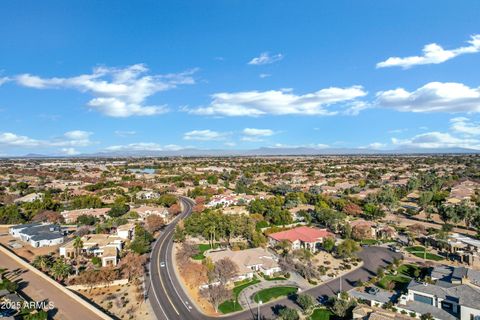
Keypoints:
(42, 262)
(78, 245)
(60, 270)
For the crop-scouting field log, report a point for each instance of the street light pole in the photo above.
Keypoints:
(258, 309)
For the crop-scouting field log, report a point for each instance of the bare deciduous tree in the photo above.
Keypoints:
(225, 269)
(216, 294)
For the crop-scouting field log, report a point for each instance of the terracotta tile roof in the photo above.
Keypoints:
(305, 234)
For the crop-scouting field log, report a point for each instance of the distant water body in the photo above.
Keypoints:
(145, 170)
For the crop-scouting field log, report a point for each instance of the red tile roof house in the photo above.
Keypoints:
(301, 237)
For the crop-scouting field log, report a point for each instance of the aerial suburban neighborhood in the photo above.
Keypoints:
(239, 160)
(250, 236)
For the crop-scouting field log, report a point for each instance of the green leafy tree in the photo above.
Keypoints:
(305, 301)
(288, 314)
(347, 248)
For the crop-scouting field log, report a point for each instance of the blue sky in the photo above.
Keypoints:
(87, 76)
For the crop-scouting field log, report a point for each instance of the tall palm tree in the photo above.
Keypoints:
(78, 245)
(60, 270)
(42, 262)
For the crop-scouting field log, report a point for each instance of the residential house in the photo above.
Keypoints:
(465, 249)
(363, 229)
(376, 297)
(106, 247)
(145, 211)
(126, 231)
(302, 237)
(454, 294)
(39, 234)
(147, 195)
(30, 198)
(462, 192)
(71, 216)
(248, 261)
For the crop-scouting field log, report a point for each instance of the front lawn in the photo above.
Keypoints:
(419, 251)
(321, 314)
(202, 248)
(409, 270)
(266, 295)
(401, 282)
(233, 305)
(229, 306)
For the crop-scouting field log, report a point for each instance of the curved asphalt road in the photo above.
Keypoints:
(170, 302)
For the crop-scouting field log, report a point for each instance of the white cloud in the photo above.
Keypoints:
(376, 146)
(432, 54)
(432, 140)
(278, 102)
(266, 58)
(4, 80)
(124, 133)
(311, 145)
(355, 108)
(143, 146)
(432, 97)
(465, 126)
(78, 135)
(70, 151)
(204, 135)
(255, 135)
(70, 139)
(396, 131)
(119, 92)
(14, 140)
(258, 132)
(264, 75)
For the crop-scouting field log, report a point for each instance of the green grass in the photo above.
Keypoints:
(233, 305)
(229, 306)
(266, 295)
(408, 270)
(368, 242)
(418, 251)
(401, 282)
(239, 288)
(202, 248)
(321, 314)
(415, 248)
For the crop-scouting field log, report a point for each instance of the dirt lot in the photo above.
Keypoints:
(193, 290)
(120, 300)
(402, 221)
(323, 258)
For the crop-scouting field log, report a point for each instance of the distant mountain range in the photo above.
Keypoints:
(265, 151)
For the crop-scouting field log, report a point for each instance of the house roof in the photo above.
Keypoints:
(304, 234)
(246, 258)
(464, 294)
(424, 308)
(382, 296)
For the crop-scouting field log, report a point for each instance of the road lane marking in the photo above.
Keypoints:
(161, 281)
(189, 206)
(170, 278)
(151, 284)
